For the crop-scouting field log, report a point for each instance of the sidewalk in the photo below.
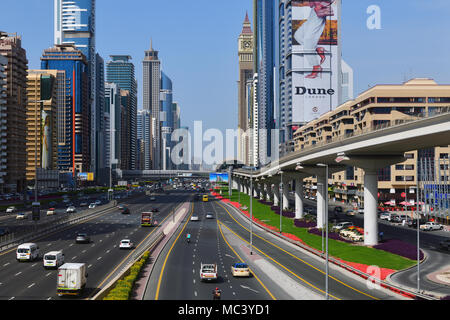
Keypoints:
(169, 229)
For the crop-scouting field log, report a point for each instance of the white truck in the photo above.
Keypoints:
(208, 272)
(429, 226)
(72, 278)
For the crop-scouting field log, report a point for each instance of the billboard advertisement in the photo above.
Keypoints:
(86, 176)
(218, 177)
(46, 140)
(315, 58)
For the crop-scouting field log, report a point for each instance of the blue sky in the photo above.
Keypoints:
(197, 41)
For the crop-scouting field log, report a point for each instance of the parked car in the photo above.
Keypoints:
(92, 206)
(385, 216)
(429, 226)
(71, 209)
(82, 238)
(360, 210)
(21, 216)
(98, 202)
(445, 245)
(11, 209)
(413, 223)
(342, 225)
(394, 218)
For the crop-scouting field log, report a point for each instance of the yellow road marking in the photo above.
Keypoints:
(297, 257)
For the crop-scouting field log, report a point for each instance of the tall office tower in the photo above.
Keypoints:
(151, 100)
(13, 138)
(100, 161)
(3, 118)
(121, 71)
(176, 111)
(166, 120)
(245, 53)
(264, 66)
(42, 113)
(310, 72)
(74, 150)
(144, 121)
(125, 101)
(74, 23)
(112, 116)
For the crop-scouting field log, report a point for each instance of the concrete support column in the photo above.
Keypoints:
(321, 194)
(299, 199)
(255, 190)
(285, 193)
(262, 195)
(269, 193)
(370, 208)
(276, 194)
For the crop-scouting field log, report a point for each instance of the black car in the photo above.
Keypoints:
(413, 223)
(125, 210)
(4, 231)
(338, 210)
(445, 245)
(155, 210)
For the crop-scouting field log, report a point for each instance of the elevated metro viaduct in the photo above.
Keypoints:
(370, 151)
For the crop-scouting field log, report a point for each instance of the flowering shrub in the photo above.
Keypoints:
(331, 235)
(304, 224)
(286, 213)
(400, 248)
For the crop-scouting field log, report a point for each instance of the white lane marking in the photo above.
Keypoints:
(50, 298)
(31, 285)
(6, 264)
(195, 293)
(71, 244)
(99, 258)
(17, 273)
(48, 274)
(74, 258)
(89, 265)
(84, 251)
(49, 244)
(11, 298)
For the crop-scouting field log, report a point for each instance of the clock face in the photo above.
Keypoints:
(247, 44)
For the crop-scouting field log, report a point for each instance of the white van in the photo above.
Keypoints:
(53, 259)
(27, 252)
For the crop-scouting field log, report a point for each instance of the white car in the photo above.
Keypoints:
(71, 209)
(21, 216)
(209, 216)
(126, 244)
(342, 225)
(194, 218)
(429, 226)
(92, 206)
(98, 202)
(11, 210)
(51, 212)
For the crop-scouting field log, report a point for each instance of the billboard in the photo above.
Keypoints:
(316, 58)
(86, 176)
(218, 177)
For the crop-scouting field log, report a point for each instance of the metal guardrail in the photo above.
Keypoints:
(382, 283)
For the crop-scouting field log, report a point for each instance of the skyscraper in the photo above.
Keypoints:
(245, 53)
(13, 138)
(166, 119)
(121, 71)
(144, 139)
(151, 100)
(74, 150)
(3, 118)
(74, 23)
(264, 67)
(112, 125)
(100, 133)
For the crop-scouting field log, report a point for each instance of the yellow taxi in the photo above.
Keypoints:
(240, 270)
(205, 198)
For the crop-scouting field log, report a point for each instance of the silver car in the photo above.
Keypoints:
(82, 238)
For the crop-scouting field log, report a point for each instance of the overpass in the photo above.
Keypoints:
(375, 148)
(159, 174)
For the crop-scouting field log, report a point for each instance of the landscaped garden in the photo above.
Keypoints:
(391, 254)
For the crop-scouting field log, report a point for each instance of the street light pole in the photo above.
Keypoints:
(281, 200)
(326, 228)
(251, 212)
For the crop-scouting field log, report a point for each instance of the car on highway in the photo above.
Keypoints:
(125, 210)
(360, 210)
(385, 216)
(430, 226)
(71, 209)
(82, 238)
(126, 244)
(21, 216)
(338, 209)
(51, 212)
(154, 209)
(342, 225)
(27, 251)
(84, 204)
(11, 209)
(152, 199)
(98, 202)
(445, 244)
(53, 259)
(195, 218)
(92, 206)
(208, 271)
(240, 270)
(350, 212)
(53, 203)
(209, 215)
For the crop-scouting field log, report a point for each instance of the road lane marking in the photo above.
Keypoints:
(31, 285)
(17, 273)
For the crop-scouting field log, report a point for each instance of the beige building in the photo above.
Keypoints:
(376, 108)
(13, 120)
(42, 133)
(245, 53)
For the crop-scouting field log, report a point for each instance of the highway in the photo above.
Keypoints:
(176, 273)
(30, 281)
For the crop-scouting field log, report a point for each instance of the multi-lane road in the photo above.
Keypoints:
(284, 268)
(30, 281)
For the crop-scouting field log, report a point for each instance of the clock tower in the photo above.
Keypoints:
(245, 53)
